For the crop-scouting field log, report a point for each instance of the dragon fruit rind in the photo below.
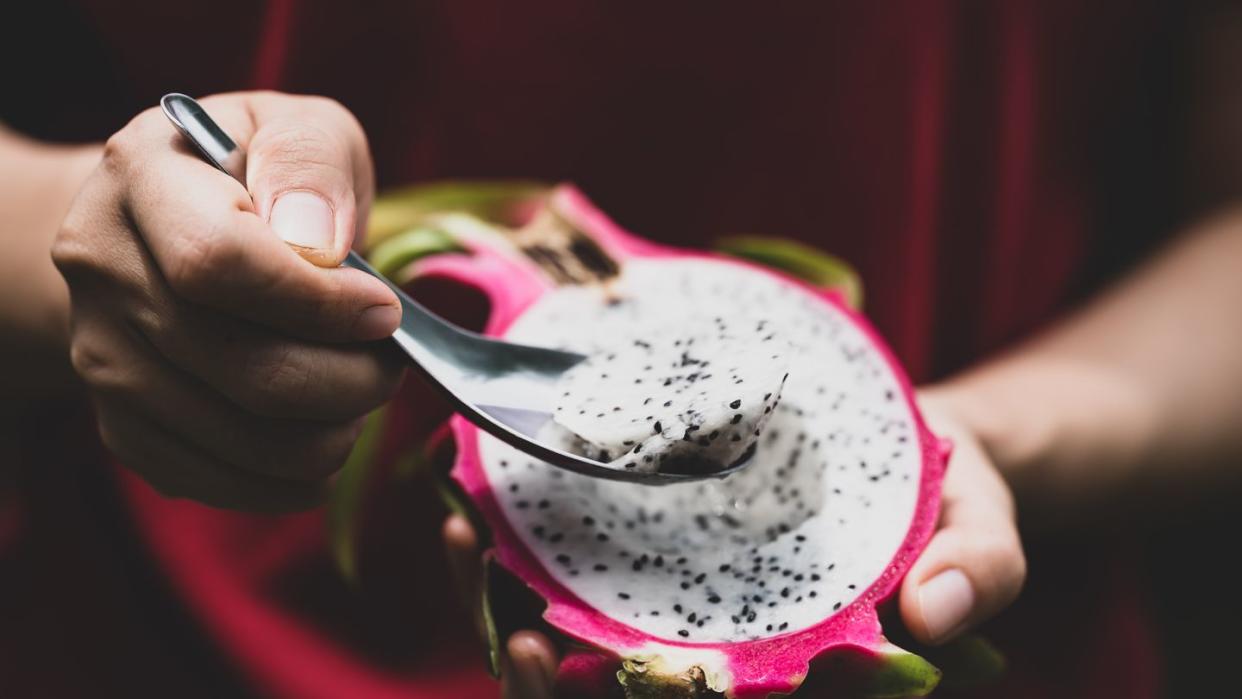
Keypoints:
(737, 587)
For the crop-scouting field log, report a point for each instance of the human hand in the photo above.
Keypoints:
(974, 565)
(223, 366)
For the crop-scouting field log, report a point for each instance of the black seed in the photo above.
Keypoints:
(685, 585)
(784, 625)
(683, 633)
(623, 595)
(736, 419)
(836, 606)
(601, 537)
(562, 558)
(736, 404)
(692, 617)
(677, 608)
(600, 567)
(656, 427)
(724, 567)
(589, 521)
(556, 538)
(667, 403)
(714, 599)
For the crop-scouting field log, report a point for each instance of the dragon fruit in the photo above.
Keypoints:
(740, 587)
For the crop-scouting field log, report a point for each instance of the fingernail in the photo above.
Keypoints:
(304, 219)
(377, 322)
(946, 601)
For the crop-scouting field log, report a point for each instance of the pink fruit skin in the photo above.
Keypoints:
(757, 668)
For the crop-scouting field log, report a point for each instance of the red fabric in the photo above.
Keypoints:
(946, 149)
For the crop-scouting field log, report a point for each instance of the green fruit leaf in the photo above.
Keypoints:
(391, 255)
(901, 674)
(490, 632)
(968, 661)
(802, 261)
(345, 501)
(497, 202)
(857, 672)
(347, 495)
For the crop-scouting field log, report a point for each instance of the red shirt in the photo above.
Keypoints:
(981, 164)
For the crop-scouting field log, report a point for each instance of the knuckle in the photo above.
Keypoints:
(97, 366)
(70, 252)
(124, 147)
(76, 246)
(116, 152)
(290, 144)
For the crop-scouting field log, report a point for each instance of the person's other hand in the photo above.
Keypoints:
(974, 565)
(223, 366)
(528, 658)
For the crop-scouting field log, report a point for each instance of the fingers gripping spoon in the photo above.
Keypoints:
(503, 388)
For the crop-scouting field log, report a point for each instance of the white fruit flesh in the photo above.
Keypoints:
(689, 398)
(814, 520)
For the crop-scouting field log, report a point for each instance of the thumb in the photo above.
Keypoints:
(974, 566)
(310, 174)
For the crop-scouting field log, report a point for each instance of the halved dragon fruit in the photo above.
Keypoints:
(734, 587)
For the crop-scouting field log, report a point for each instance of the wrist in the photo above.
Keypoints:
(1063, 432)
(40, 183)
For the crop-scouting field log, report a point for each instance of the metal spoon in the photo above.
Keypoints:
(503, 388)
